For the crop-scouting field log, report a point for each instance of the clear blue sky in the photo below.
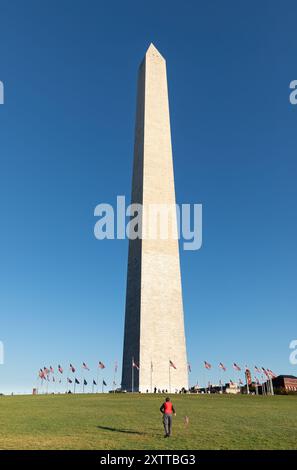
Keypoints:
(66, 144)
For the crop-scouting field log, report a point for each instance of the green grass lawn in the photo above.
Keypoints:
(134, 422)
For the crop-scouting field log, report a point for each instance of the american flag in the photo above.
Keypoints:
(72, 368)
(101, 365)
(257, 370)
(207, 365)
(171, 364)
(46, 370)
(240, 382)
(248, 375)
(51, 370)
(84, 366)
(60, 369)
(272, 374)
(69, 380)
(236, 366)
(221, 366)
(189, 367)
(265, 372)
(231, 382)
(41, 374)
(135, 365)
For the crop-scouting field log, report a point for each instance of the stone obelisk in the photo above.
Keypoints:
(154, 322)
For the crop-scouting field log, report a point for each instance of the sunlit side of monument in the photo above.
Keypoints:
(154, 338)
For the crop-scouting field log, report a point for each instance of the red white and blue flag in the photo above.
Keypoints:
(272, 374)
(265, 372)
(101, 365)
(84, 365)
(172, 364)
(248, 375)
(60, 369)
(236, 366)
(207, 365)
(72, 368)
(136, 366)
(221, 366)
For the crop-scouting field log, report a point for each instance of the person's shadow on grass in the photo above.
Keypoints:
(127, 431)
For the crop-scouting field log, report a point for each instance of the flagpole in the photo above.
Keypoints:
(169, 376)
(151, 377)
(132, 375)
(267, 384)
(263, 387)
(97, 378)
(114, 376)
(188, 370)
(271, 386)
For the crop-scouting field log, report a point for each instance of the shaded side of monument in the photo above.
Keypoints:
(154, 319)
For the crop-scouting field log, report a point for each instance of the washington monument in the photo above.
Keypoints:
(154, 342)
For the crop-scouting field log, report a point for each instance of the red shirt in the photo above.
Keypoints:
(168, 408)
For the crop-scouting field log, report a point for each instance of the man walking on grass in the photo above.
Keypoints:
(167, 409)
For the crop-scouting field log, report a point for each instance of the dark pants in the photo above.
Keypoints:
(167, 421)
